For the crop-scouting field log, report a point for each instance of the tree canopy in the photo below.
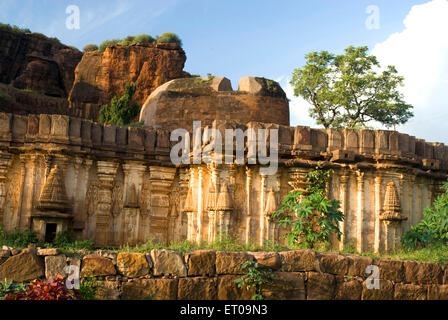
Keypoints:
(349, 90)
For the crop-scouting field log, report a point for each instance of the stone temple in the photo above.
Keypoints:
(117, 185)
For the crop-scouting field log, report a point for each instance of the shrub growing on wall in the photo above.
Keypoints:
(107, 43)
(311, 217)
(121, 111)
(433, 228)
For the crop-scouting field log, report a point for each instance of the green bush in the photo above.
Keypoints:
(16, 29)
(121, 112)
(144, 38)
(310, 215)
(107, 43)
(90, 47)
(256, 277)
(169, 37)
(17, 238)
(433, 228)
(11, 287)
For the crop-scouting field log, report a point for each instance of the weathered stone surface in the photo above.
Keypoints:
(438, 292)
(168, 262)
(201, 262)
(147, 64)
(385, 292)
(358, 266)
(39, 63)
(231, 262)
(108, 254)
(107, 290)
(270, 260)
(348, 289)
(333, 263)
(97, 266)
(286, 286)
(320, 286)
(48, 252)
(197, 289)
(405, 291)
(299, 260)
(390, 269)
(4, 255)
(200, 101)
(55, 265)
(132, 265)
(22, 267)
(422, 272)
(150, 289)
(228, 289)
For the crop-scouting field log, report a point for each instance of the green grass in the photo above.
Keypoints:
(225, 244)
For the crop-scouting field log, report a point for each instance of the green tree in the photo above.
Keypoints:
(312, 217)
(169, 37)
(90, 47)
(107, 43)
(346, 91)
(121, 111)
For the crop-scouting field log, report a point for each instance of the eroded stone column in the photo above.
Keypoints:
(248, 203)
(377, 235)
(161, 181)
(360, 209)
(106, 175)
(344, 206)
(262, 206)
(5, 164)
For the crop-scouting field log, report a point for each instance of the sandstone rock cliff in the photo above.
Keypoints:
(33, 61)
(102, 75)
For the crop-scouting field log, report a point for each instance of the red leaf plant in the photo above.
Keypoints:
(50, 289)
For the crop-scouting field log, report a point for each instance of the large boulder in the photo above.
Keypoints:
(23, 267)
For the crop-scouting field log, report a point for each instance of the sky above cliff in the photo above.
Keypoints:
(237, 38)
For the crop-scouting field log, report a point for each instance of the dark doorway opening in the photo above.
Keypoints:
(50, 232)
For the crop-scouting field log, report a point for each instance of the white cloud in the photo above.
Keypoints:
(420, 53)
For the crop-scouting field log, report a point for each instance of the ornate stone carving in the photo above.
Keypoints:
(392, 207)
(54, 196)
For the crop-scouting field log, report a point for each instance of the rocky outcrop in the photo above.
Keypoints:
(102, 75)
(35, 62)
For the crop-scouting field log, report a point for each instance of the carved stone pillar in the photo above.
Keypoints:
(190, 207)
(199, 212)
(344, 207)
(262, 206)
(248, 203)
(360, 210)
(106, 175)
(212, 199)
(377, 235)
(29, 193)
(161, 181)
(224, 209)
(133, 179)
(5, 164)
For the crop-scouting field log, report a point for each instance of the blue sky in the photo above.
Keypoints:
(255, 37)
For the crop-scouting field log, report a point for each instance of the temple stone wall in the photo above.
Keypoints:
(117, 185)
